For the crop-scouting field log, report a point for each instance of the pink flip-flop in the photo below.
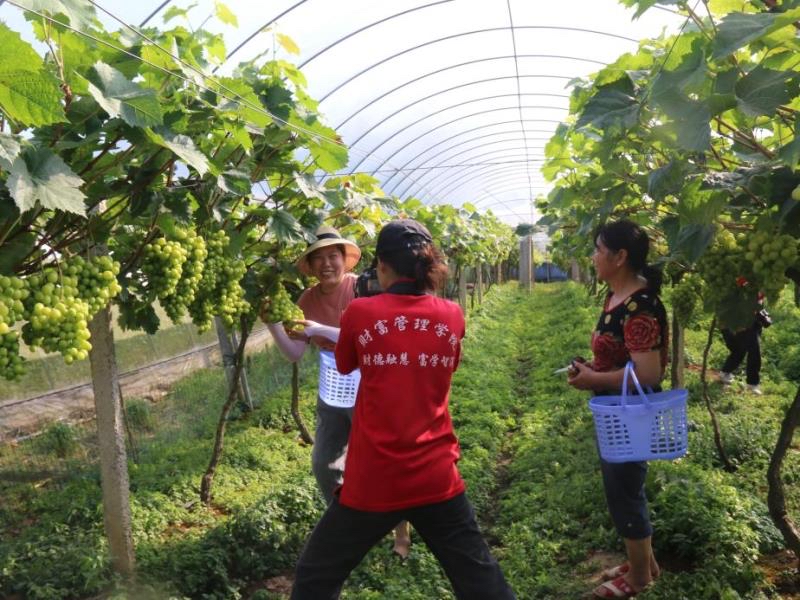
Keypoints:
(618, 588)
(614, 572)
(620, 570)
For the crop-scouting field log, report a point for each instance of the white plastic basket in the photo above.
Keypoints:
(336, 389)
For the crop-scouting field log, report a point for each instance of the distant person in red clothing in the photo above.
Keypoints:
(401, 462)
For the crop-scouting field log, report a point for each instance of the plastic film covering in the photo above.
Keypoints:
(443, 100)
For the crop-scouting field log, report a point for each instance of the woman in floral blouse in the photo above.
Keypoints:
(632, 327)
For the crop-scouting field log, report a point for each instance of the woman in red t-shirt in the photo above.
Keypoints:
(401, 462)
(631, 327)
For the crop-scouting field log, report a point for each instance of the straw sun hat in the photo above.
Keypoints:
(328, 236)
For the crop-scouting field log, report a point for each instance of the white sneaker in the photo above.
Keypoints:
(754, 389)
(725, 378)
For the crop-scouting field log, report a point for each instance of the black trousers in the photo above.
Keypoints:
(343, 537)
(741, 343)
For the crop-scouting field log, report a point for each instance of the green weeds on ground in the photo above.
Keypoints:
(528, 456)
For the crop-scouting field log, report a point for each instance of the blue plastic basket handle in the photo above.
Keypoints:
(629, 370)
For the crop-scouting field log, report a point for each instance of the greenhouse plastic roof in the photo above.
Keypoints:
(449, 101)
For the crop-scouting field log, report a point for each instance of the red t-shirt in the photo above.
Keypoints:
(402, 450)
(327, 309)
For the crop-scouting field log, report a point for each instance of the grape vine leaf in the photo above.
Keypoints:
(288, 43)
(790, 153)
(693, 239)
(225, 14)
(738, 29)
(699, 205)
(245, 103)
(215, 49)
(644, 5)
(177, 11)
(613, 105)
(723, 94)
(28, 92)
(308, 185)
(183, 147)
(81, 14)
(328, 155)
(119, 97)
(689, 75)
(39, 175)
(15, 250)
(285, 226)
(762, 91)
(234, 181)
(687, 241)
(9, 148)
(666, 180)
(135, 315)
(689, 125)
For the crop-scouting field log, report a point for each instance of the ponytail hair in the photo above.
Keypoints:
(629, 236)
(423, 263)
(654, 277)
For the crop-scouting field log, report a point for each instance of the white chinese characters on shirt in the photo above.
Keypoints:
(403, 324)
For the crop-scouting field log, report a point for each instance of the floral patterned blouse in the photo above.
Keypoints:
(638, 324)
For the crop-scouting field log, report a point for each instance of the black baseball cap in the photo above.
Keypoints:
(402, 234)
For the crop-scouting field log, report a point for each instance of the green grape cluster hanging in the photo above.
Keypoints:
(176, 303)
(57, 316)
(96, 280)
(13, 291)
(720, 268)
(229, 294)
(162, 264)
(12, 365)
(219, 292)
(685, 295)
(281, 309)
(770, 256)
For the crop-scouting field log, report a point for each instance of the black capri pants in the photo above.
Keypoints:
(627, 503)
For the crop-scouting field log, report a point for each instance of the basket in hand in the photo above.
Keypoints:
(643, 426)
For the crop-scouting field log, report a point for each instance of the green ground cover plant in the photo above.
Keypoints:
(529, 460)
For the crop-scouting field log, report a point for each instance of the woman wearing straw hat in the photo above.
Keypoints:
(632, 327)
(330, 259)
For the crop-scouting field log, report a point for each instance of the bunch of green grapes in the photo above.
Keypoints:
(770, 256)
(13, 291)
(721, 266)
(175, 304)
(685, 295)
(12, 365)
(163, 265)
(219, 292)
(229, 294)
(96, 279)
(280, 308)
(58, 319)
